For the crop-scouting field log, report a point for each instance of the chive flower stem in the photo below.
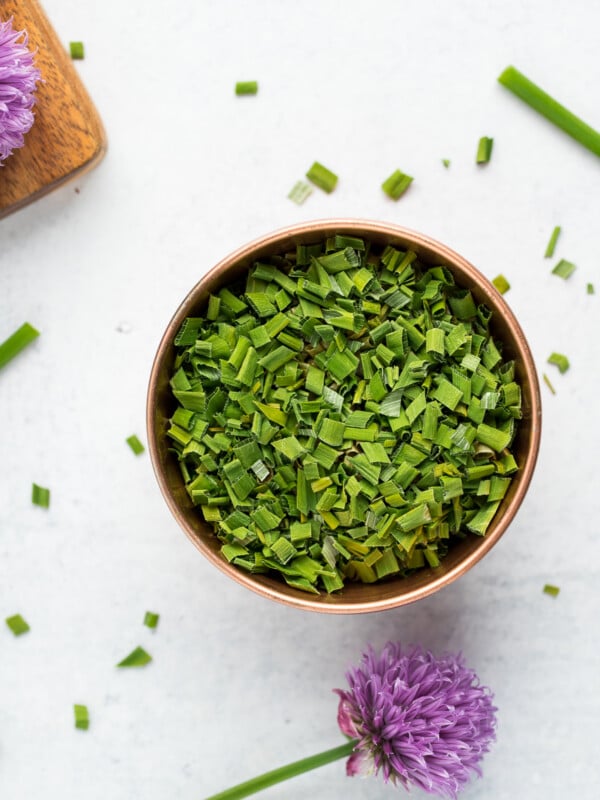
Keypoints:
(283, 773)
(547, 106)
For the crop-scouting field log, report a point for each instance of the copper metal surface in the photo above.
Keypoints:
(355, 597)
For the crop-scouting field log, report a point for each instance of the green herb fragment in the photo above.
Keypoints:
(546, 105)
(135, 444)
(446, 162)
(137, 658)
(82, 717)
(493, 437)
(564, 269)
(17, 342)
(322, 177)
(151, 619)
(501, 284)
(246, 87)
(548, 384)
(559, 360)
(343, 414)
(484, 150)
(552, 243)
(76, 50)
(17, 624)
(590, 288)
(40, 496)
(299, 192)
(396, 184)
(553, 591)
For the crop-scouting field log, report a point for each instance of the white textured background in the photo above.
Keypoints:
(239, 685)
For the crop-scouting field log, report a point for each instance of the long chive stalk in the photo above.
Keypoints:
(544, 104)
(283, 773)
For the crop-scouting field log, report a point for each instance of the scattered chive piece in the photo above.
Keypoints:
(446, 162)
(541, 102)
(501, 284)
(299, 192)
(552, 243)
(137, 658)
(548, 383)
(76, 50)
(484, 150)
(590, 288)
(82, 717)
(151, 619)
(15, 343)
(40, 496)
(246, 87)
(564, 269)
(17, 624)
(322, 177)
(553, 591)
(396, 184)
(559, 360)
(135, 444)
(351, 430)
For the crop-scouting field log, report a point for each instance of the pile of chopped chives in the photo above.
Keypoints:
(343, 414)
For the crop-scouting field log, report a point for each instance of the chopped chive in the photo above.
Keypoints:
(76, 50)
(299, 192)
(484, 150)
(322, 177)
(564, 269)
(151, 619)
(40, 496)
(446, 162)
(559, 360)
(396, 184)
(546, 105)
(590, 288)
(552, 242)
(246, 87)
(553, 591)
(548, 383)
(137, 658)
(82, 717)
(350, 429)
(493, 437)
(501, 284)
(135, 444)
(17, 342)
(17, 624)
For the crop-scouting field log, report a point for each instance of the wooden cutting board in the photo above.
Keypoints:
(67, 137)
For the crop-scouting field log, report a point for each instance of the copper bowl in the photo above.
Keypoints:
(355, 597)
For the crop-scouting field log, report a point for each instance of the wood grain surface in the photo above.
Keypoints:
(67, 137)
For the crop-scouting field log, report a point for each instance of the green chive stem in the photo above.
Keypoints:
(76, 50)
(552, 242)
(15, 343)
(547, 106)
(246, 87)
(484, 150)
(283, 773)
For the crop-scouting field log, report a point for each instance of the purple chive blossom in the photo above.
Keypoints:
(421, 720)
(18, 78)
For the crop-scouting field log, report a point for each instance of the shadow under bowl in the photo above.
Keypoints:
(355, 597)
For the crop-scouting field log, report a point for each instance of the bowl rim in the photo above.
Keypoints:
(362, 227)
